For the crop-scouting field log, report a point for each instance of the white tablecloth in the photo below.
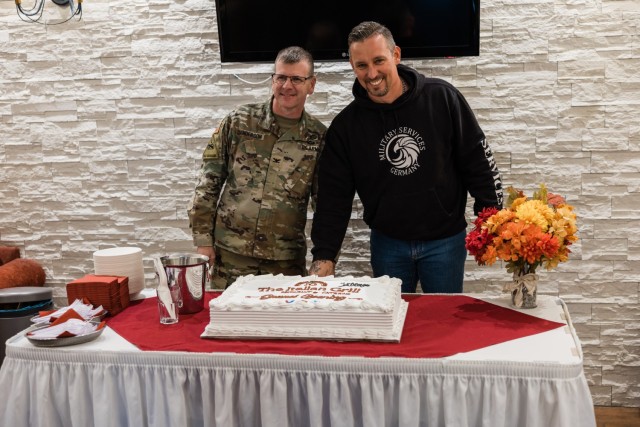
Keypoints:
(532, 381)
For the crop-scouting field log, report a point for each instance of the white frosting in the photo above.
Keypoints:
(309, 293)
(345, 308)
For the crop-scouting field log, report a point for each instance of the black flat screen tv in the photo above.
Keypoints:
(255, 30)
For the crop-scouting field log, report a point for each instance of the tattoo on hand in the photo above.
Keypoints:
(316, 265)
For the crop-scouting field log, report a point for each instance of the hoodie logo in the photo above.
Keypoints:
(401, 147)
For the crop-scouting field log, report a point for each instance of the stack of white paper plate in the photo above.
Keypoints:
(121, 262)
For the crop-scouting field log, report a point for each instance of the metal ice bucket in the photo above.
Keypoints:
(189, 273)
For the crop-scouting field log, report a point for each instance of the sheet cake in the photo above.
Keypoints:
(295, 307)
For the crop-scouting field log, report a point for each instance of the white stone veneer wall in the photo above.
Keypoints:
(102, 123)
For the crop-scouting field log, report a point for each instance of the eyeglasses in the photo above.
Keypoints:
(281, 79)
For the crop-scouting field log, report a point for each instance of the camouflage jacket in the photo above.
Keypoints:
(255, 182)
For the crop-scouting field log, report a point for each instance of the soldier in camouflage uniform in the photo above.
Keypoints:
(258, 173)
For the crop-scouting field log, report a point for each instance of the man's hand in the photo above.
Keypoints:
(208, 251)
(322, 267)
(211, 253)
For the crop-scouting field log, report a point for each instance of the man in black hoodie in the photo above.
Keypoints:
(412, 149)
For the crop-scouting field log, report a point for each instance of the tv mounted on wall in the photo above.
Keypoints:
(255, 30)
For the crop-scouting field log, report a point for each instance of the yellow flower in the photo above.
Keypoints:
(498, 219)
(567, 214)
(517, 202)
(535, 212)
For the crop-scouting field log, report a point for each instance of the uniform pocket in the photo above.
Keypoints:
(245, 165)
(301, 161)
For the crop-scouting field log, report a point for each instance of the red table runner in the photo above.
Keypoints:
(435, 326)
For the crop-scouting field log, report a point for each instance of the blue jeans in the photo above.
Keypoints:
(438, 264)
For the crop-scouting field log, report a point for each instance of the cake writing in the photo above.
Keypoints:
(305, 296)
(311, 283)
(359, 285)
(298, 290)
(308, 290)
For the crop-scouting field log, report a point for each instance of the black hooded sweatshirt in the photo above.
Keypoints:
(411, 162)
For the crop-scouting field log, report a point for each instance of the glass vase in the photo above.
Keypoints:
(524, 290)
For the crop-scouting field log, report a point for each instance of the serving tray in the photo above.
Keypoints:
(59, 342)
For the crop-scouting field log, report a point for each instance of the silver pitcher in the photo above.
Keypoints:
(189, 273)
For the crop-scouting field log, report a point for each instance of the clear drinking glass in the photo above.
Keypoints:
(168, 306)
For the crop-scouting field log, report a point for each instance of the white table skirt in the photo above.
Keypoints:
(110, 383)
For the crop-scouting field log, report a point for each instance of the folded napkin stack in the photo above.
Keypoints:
(111, 292)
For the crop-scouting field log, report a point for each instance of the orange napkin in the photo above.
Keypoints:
(69, 314)
(43, 313)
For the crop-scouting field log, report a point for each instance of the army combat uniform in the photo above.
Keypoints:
(253, 190)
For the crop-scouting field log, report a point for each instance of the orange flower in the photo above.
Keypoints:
(555, 200)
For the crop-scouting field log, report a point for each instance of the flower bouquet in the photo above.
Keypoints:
(526, 234)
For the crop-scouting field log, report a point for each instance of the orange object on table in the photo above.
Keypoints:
(111, 292)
